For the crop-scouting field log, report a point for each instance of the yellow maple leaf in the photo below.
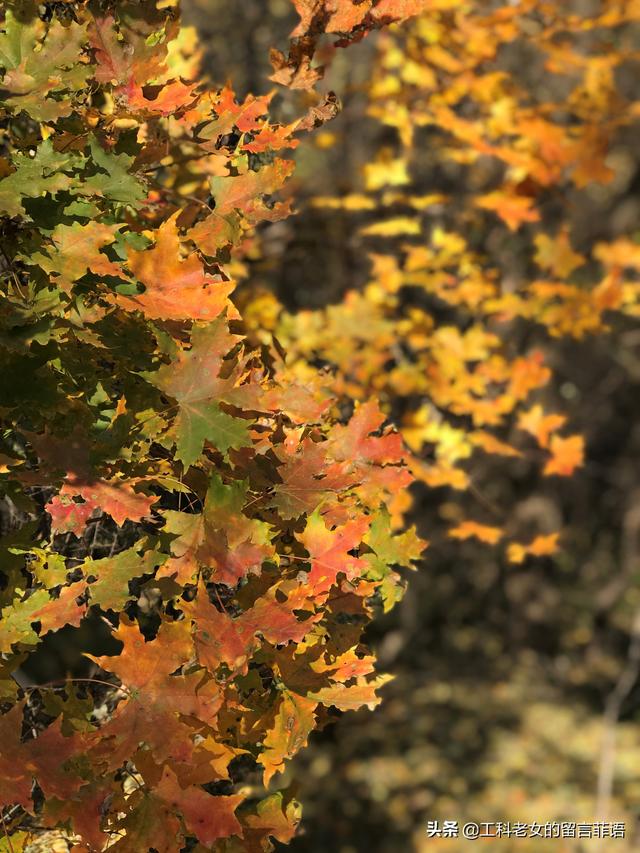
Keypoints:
(556, 255)
(475, 530)
(541, 546)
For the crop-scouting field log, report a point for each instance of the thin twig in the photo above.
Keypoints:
(483, 499)
(613, 706)
(56, 684)
(220, 602)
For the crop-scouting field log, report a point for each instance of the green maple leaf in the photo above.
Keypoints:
(13, 556)
(193, 379)
(209, 423)
(17, 41)
(18, 618)
(74, 250)
(388, 551)
(48, 567)
(111, 587)
(48, 171)
(35, 68)
(114, 181)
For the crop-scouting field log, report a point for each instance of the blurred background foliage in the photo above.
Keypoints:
(516, 694)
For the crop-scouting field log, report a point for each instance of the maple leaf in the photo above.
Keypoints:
(199, 380)
(353, 696)
(113, 179)
(32, 74)
(272, 137)
(67, 516)
(47, 758)
(175, 288)
(208, 762)
(294, 720)
(307, 478)
(618, 253)
(15, 776)
(113, 62)
(244, 116)
(76, 251)
(172, 98)
(243, 192)
(388, 551)
(345, 17)
(148, 823)
(110, 587)
(294, 399)
(528, 373)
(52, 756)
(307, 10)
(556, 255)
(355, 443)
(85, 811)
(215, 232)
(18, 618)
(143, 667)
(567, 454)
(45, 172)
(117, 498)
(221, 537)
(158, 695)
(278, 822)
(63, 610)
(346, 666)
(513, 209)
(295, 70)
(218, 637)
(329, 552)
(276, 620)
(542, 546)
(208, 818)
(539, 424)
(475, 530)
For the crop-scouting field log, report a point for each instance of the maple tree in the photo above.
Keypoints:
(255, 510)
(253, 542)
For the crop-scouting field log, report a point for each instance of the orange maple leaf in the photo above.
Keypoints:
(541, 546)
(475, 530)
(567, 454)
(540, 425)
(513, 209)
(175, 288)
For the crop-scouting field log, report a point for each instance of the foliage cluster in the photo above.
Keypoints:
(252, 506)
(474, 210)
(251, 539)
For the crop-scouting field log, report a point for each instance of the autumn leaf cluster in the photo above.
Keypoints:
(255, 501)
(252, 540)
(471, 211)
